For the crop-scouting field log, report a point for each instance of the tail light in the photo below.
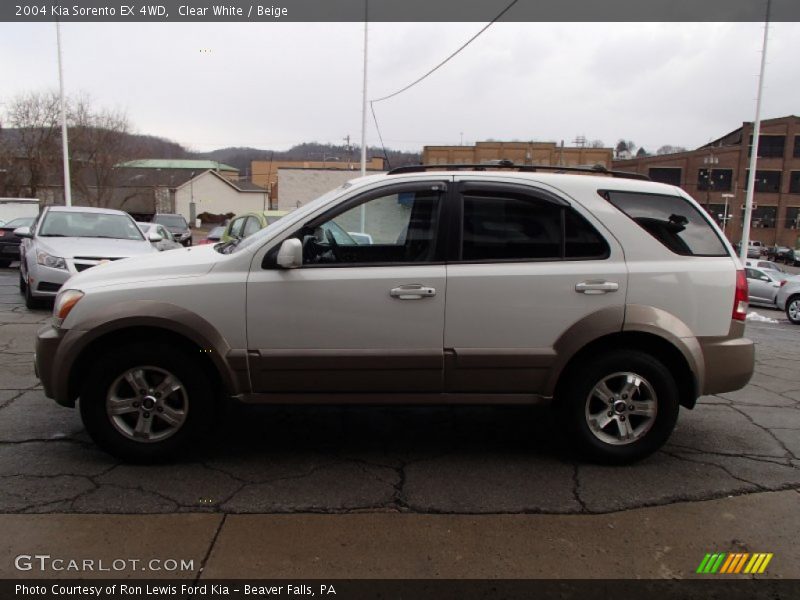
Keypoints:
(741, 297)
(205, 241)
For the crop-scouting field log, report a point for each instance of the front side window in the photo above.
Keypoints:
(672, 220)
(394, 228)
(251, 226)
(237, 227)
(507, 226)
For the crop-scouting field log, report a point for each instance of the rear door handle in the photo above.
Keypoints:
(412, 292)
(596, 287)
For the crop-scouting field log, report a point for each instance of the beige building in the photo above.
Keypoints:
(265, 172)
(212, 193)
(521, 153)
(299, 186)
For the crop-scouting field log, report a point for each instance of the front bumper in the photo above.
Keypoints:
(9, 251)
(53, 360)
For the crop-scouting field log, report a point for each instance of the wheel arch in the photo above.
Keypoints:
(154, 322)
(657, 346)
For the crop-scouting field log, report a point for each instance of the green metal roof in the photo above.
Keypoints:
(170, 163)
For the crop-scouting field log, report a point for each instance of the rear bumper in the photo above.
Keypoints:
(729, 361)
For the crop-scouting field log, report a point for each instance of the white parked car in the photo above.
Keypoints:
(616, 299)
(64, 241)
(763, 285)
(161, 238)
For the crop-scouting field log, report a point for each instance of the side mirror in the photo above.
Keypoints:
(290, 255)
(154, 237)
(23, 232)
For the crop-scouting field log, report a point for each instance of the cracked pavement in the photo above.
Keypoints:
(450, 460)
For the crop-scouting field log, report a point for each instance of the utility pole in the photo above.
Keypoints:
(364, 96)
(64, 140)
(748, 206)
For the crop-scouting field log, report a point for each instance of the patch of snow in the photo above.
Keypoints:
(754, 316)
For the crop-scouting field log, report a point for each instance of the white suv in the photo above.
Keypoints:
(617, 298)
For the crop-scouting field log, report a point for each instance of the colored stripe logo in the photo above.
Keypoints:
(734, 563)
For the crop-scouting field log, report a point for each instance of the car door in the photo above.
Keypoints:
(355, 317)
(759, 285)
(531, 269)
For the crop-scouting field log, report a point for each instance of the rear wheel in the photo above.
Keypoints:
(793, 309)
(145, 402)
(620, 407)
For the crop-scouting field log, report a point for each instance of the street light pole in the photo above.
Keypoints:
(748, 206)
(64, 140)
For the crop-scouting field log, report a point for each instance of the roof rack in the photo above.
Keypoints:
(507, 164)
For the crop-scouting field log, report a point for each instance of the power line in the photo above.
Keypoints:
(380, 137)
(441, 64)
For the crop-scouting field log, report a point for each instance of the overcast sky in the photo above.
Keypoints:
(272, 85)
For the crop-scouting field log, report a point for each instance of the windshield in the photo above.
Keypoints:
(259, 236)
(19, 222)
(89, 224)
(170, 220)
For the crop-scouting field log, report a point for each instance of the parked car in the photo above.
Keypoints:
(792, 257)
(214, 235)
(161, 238)
(9, 242)
(64, 241)
(176, 225)
(764, 264)
(754, 248)
(245, 225)
(788, 299)
(777, 253)
(763, 285)
(616, 299)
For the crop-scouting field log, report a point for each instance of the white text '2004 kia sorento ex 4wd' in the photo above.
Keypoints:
(617, 298)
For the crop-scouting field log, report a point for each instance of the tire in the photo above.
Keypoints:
(4, 263)
(650, 387)
(22, 284)
(793, 309)
(110, 381)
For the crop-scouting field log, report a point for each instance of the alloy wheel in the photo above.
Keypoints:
(621, 408)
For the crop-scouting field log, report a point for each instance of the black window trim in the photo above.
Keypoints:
(457, 225)
(703, 215)
(440, 241)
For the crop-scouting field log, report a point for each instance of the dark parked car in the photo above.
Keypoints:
(177, 226)
(778, 253)
(9, 243)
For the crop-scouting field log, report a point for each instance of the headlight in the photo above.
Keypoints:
(48, 260)
(65, 302)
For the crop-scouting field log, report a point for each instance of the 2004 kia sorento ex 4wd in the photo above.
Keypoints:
(618, 298)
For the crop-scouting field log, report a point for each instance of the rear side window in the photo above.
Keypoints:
(672, 220)
(507, 226)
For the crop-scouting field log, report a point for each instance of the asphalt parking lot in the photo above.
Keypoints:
(414, 460)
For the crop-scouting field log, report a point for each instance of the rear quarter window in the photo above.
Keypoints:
(672, 220)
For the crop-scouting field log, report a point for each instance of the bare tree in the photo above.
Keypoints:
(33, 152)
(597, 144)
(667, 149)
(99, 140)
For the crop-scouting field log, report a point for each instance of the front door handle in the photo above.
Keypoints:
(412, 292)
(596, 286)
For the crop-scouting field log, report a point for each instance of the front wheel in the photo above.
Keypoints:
(144, 402)
(619, 407)
(793, 309)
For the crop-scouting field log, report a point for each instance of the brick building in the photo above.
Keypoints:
(521, 153)
(717, 172)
